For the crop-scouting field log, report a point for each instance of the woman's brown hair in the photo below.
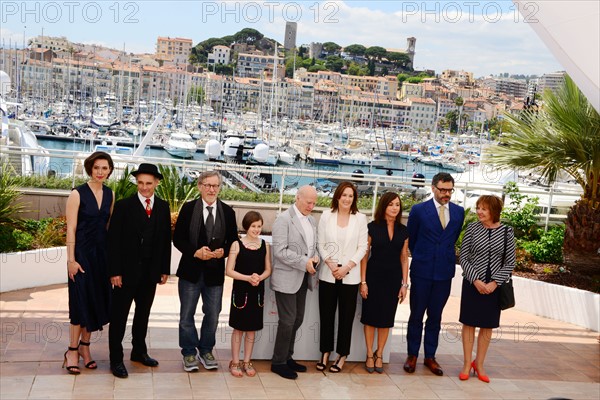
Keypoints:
(383, 204)
(335, 201)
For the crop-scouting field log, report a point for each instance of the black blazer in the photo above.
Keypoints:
(191, 267)
(126, 254)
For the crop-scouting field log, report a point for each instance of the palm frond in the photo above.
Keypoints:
(123, 187)
(562, 136)
(9, 195)
(175, 188)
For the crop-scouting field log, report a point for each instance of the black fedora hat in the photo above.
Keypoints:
(146, 168)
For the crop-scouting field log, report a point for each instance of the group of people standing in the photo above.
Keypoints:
(119, 251)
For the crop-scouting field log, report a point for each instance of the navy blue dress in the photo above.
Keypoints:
(89, 294)
(384, 275)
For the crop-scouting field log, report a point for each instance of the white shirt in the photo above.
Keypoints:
(307, 226)
(341, 235)
(446, 209)
(205, 211)
(143, 200)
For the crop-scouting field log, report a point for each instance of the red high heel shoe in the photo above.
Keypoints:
(464, 377)
(483, 378)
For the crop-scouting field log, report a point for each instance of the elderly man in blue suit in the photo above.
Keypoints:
(294, 272)
(433, 228)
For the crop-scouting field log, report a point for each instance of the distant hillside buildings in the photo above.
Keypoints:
(54, 69)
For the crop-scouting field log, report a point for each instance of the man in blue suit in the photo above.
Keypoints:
(433, 228)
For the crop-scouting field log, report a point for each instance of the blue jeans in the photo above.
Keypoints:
(189, 294)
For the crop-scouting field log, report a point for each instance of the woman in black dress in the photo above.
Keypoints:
(384, 276)
(249, 264)
(487, 257)
(89, 207)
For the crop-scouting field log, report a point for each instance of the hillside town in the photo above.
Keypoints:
(324, 82)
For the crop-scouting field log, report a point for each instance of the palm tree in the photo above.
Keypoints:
(562, 136)
(459, 102)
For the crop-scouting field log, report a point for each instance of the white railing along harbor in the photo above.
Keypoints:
(554, 201)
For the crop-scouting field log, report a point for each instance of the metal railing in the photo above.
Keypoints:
(554, 201)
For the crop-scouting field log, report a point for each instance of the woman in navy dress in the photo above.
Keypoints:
(487, 257)
(249, 264)
(384, 276)
(89, 207)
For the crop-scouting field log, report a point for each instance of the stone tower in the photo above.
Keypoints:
(410, 49)
(289, 41)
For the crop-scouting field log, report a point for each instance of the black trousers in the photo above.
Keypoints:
(143, 295)
(290, 308)
(343, 297)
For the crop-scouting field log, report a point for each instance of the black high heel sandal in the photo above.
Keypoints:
(322, 364)
(377, 369)
(72, 369)
(92, 364)
(370, 369)
(335, 368)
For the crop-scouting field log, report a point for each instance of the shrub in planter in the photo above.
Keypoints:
(548, 248)
(521, 214)
(51, 234)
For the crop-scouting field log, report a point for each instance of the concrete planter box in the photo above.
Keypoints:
(33, 268)
(562, 303)
(43, 267)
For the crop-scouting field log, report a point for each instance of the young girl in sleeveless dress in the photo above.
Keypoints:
(249, 264)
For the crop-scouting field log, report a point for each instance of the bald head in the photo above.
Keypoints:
(306, 198)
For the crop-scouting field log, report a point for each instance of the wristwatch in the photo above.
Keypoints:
(363, 283)
(405, 285)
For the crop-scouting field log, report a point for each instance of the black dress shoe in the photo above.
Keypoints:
(144, 359)
(433, 366)
(119, 370)
(284, 371)
(294, 366)
(410, 364)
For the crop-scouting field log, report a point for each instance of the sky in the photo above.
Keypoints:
(483, 37)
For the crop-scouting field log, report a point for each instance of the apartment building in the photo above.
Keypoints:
(219, 55)
(55, 44)
(422, 114)
(253, 65)
(171, 49)
(457, 77)
(412, 91)
(508, 86)
(552, 81)
(369, 110)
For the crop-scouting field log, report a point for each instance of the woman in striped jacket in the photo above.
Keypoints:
(487, 257)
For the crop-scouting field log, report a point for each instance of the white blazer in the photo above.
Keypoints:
(354, 248)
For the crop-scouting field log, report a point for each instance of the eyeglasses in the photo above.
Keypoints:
(208, 186)
(448, 191)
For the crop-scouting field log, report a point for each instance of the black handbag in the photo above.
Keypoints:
(507, 295)
(507, 292)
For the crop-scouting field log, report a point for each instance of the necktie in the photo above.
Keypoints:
(148, 209)
(210, 222)
(442, 215)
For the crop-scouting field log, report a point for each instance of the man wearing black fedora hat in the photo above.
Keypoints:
(139, 249)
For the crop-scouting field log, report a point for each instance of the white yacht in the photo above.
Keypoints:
(181, 145)
(115, 136)
(362, 159)
(285, 158)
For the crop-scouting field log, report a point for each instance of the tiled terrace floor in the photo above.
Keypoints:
(531, 358)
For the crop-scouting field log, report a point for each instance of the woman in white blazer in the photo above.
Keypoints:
(342, 243)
